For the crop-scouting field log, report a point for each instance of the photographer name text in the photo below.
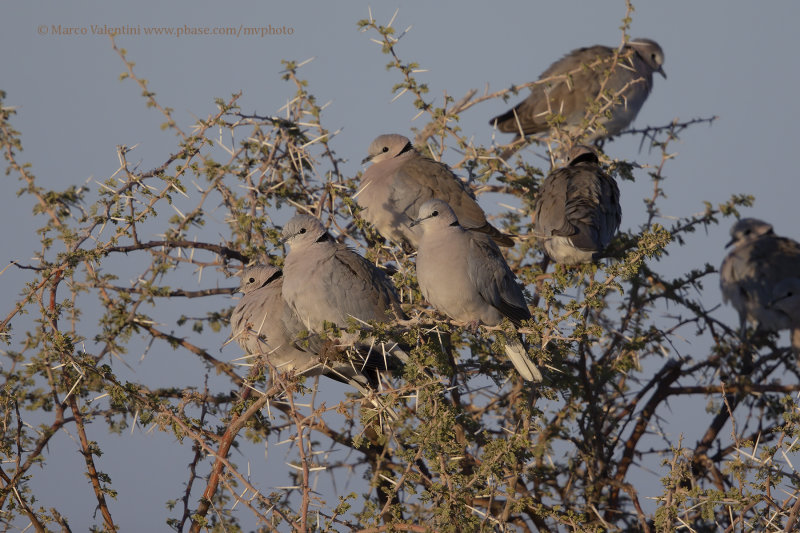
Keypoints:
(61, 30)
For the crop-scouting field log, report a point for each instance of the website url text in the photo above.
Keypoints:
(164, 31)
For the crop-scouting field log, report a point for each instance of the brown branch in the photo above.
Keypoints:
(225, 463)
(262, 519)
(198, 455)
(150, 96)
(431, 127)
(73, 404)
(218, 365)
(763, 435)
(700, 461)
(171, 294)
(224, 251)
(793, 516)
(236, 424)
(671, 372)
(301, 451)
(22, 303)
(673, 127)
(639, 511)
(737, 388)
(87, 453)
(8, 489)
(29, 178)
(36, 452)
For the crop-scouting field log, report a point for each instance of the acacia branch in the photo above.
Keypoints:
(171, 294)
(86, 451)
(218, 365)
(670, 373)
(223, 251)
(9, 488)
(227, 440)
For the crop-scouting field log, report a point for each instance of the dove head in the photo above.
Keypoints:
(651, 53)
(435, 213)
(302, 230)
(747, 230)
(580, 153)
(387, 146)
(786, 297)
(257, 276)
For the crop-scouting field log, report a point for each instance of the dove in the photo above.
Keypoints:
(262, 324)
(571, 85)
(326, 282)
(758, 262)
(400, 180)
(257, 323)
(463, 274)
(577, 210)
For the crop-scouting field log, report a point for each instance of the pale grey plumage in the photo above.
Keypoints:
(463, 274)
(325, 281)
(759, 260)
(257, 321)
(401, 179)
(264, 325)
(578, 210)
(786, 299)
(573, 82)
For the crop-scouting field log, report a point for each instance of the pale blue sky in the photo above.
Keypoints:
(734, 59)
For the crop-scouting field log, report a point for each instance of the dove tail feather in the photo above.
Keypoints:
(519, 357)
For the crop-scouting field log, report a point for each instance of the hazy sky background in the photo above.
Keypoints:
(734, 59)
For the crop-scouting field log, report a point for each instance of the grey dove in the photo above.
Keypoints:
(571, 84)
(750, 273)
(264, 325)
(577, 211)
(325, 281)
(401, 179)
(786, 299)
(463, 274)
(257, 321)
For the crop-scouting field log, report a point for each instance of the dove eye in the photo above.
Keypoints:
(385, 149)
(435, 214)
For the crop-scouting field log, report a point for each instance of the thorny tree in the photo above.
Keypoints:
(475, 448)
